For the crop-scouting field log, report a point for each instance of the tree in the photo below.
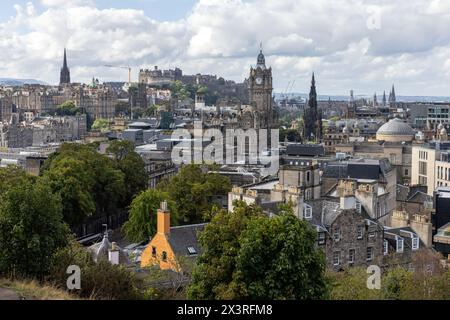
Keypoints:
(98, 281)
(277, 260)
(99, 176)
(69, 179)
(247, 255)
(31, 229)
(101, 125)
(220, 242)
(131, 165)
(351, 284)
(193, 191)
(67, 108)
(141, 224)
(11, 176)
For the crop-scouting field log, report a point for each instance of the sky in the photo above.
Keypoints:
(364, 45)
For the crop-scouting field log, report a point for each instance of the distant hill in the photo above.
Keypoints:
(19, 82)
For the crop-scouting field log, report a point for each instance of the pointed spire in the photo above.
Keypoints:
(65, 71)
(65, 58)
(313, 81)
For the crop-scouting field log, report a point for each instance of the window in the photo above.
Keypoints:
(307, 212)
(360, 232)
(154, 251)
(337, 235)
(372, 235)
(422, 168)
(351, 256)
(385, 247)
(415, 243)
(399, 245)
(406, 172)
(358, 206)
(308, 176)
(321, 238)
(192, 250)
(369, 256)
(336, 258)
(164, 256)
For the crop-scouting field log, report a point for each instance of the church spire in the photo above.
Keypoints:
(65, 58)
(65, 71)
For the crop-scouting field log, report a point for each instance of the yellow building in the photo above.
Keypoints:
(171, 244)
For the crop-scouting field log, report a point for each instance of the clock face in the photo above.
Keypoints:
(259, 80)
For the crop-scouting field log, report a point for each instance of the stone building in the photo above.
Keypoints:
(158, 76)
(431, 165)
(375, 184)
(394, 142)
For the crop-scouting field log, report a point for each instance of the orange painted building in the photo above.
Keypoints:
(171, 242)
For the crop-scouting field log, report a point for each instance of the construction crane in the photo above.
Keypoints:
(122, 67)
(129, 83)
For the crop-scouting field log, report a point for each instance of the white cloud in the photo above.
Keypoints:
(331, 37)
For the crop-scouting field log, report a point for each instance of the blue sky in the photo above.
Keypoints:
(161, 10)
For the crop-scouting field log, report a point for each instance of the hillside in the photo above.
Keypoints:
(30, 290)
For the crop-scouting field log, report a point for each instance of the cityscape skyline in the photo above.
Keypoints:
(367, 47)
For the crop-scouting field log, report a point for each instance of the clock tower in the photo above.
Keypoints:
(260, 94)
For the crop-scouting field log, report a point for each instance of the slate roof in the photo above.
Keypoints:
(182, 237)
(358, 169)
(297, 149)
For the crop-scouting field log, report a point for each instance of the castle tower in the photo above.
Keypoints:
(65, 71)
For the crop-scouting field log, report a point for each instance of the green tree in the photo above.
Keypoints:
(194, 192)
(107, 187)
(247, 255)
(67, 108)
(278, 260)
(141, 224)
(101, 125)
(11, 176)
(31, 229)
(98, 280)
(220, 242)
(69, 179)
(351, 284)
(131, 165)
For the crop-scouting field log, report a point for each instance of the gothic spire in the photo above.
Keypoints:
(65, 59)
(65, 71)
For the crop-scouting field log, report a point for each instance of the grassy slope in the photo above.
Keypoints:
(33, 290)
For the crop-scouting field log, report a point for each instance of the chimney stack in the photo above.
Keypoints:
(163, 219)
(113, 254)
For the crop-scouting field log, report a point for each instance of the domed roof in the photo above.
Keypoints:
(395, 127)
(443, 131)
(440, 126)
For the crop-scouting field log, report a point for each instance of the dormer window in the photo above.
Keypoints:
(154, 251)
(415, 243)
(400, 243)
